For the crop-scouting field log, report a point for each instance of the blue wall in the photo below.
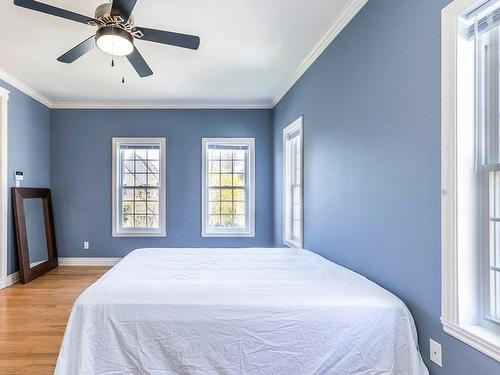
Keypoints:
(81, 175)
(371, 106)
(28, 150)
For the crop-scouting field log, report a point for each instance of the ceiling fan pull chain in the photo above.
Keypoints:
(112, 62)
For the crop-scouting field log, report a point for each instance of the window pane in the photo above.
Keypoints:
(127, 194)
(153, 154)
(296, 211)
(140, 166)
(153, 180)
(296, 229)
(239, 208)
(214, 208)
(238, 194)
(140, 154)
(152, 194)
(153, 166)
(140, 221)
(140, 180)
(128, 221)
(226, 166)
(214, 221)
(239, 221)
(226, 221)
(226, 154)
(214, 195)
(127, 208)
(238, 180)
(128, 154)
(214, 166)
(239, 154)
(226, 208)
(128, 166)
(239, 167)
(495, 294)
(227, 194)
(214, 179)
(152, 221)
(128, 179)
(140, 207)
(213, 154)
(140, 194)
(226, 180)
(153, 208)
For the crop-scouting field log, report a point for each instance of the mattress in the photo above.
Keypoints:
(237, 311)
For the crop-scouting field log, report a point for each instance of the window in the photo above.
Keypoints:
(228, 187)
(471, 174)
(292, 184)
(138, 187)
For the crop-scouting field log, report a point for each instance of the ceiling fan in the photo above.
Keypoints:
(116, 32)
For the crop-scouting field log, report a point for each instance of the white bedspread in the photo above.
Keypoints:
(237, 311)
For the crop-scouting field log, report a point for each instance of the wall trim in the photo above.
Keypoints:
(454, 321)
(87, 261)
(10, 280)
(339, 23)
(23, 87)
(476, 337)
(193, 105)
(64, 262)
(4, 191)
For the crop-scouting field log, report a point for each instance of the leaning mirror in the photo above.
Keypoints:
(35, 238)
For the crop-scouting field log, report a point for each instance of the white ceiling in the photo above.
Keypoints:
(251, 52)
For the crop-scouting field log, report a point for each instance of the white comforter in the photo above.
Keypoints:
(237, 311)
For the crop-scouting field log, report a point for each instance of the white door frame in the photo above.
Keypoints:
(4, 97)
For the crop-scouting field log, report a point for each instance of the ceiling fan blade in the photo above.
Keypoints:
(123, 7)
(54, 11)
(139, 64)
(78, 51)
(168, 37)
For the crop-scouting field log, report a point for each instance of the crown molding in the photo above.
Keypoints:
(339, 23)
(347, 14)
(166, 105)
(23, 87)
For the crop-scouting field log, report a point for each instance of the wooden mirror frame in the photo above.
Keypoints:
(26, 272)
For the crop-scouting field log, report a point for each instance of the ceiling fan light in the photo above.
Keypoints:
(114, 41)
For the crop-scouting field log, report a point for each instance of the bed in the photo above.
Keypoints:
(237, 311)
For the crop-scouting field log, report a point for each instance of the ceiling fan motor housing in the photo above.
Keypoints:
(104, 14)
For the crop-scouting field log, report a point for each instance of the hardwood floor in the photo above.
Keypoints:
(33, 318)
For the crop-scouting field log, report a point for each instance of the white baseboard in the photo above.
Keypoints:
(84, 261)
(9, 280)
(66, 261)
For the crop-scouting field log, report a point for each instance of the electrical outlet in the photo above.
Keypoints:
(435, 352)
(86, 245)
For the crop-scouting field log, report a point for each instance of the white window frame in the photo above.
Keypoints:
(118, 231)
(296, 126)
(4, 191)
(462, 256)
(227, 232)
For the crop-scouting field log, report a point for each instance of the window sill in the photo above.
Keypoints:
(119, 234)
(480, 338)
(252, 234)
(292, 244)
